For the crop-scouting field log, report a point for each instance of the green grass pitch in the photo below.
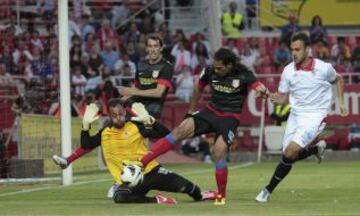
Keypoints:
(329, 189)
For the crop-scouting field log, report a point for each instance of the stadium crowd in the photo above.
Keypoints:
(104, 53)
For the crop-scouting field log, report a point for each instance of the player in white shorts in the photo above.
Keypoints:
(306, 84)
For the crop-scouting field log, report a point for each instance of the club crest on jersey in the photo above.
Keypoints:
(236, 83)
(155, 73)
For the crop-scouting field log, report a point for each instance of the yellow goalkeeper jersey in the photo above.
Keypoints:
(122, 144)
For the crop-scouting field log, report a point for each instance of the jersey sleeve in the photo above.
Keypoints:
(166, 75)
(90, 142)
(331, 74)
(284, 83)
(204, 78)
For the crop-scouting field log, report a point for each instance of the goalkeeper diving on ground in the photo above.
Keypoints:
(124, 140)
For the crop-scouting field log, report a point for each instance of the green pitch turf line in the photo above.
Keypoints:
(238, 166)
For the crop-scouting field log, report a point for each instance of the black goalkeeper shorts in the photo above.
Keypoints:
(159, 178)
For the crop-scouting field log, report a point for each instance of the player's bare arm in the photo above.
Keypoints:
(157, 92)
(279, 98)
(339, 82)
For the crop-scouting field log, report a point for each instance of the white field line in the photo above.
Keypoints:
(108, 179)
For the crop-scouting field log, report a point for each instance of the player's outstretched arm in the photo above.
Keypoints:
(157, 92)
(279, 98)
(90, 115)
(262, 91)
(339, 82)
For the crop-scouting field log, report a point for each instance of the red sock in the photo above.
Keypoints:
(77, 153)
(221, 180)
(159, 147)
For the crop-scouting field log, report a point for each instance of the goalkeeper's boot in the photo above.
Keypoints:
(208, 195)
(321, 145)
(161, 199)
(263, 196)
(60, 161)
(219, 199)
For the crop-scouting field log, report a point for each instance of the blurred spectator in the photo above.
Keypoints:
(200, 65)
(200, 41)
(184, 84)
(182, 57)
(102, 8)
(232, 22)
(93, 82)
(131, 52)
(356, 54)
(317, 30)
(290, 29)
(95, 61)
(40, 66)
(78, 81)
(3, 155)
(200, 50)
(75, 55)
(254, 47)
(86, 70)
(140, 48)
(90, 42)
(5, 78)
(248, 59)
(343, 65)
(124, 76)
(321, 51)
(164, 33)
(251, 12)
(132, 35)
(180, 37)
(109, 56)
(7, 59)
(46, 8)
(85, 27)
(21, 53)
(231, 44)
(106, 34)
(35, 41)
(147, 25)
(340, 50)
(120, 13)
(125, 60)
(282, 55)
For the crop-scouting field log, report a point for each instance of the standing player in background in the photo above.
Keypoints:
(230, 82)
(123, 140)
(151, 85)
(306, 83)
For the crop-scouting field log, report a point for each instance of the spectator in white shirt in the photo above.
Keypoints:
(184, 84)
(125, 60)
(182, 56)
(249, 59)
(78, 81)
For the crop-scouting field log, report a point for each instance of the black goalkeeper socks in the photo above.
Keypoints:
(280, 173)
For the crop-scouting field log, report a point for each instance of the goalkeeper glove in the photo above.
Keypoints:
(90, 115)
(142, 114)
